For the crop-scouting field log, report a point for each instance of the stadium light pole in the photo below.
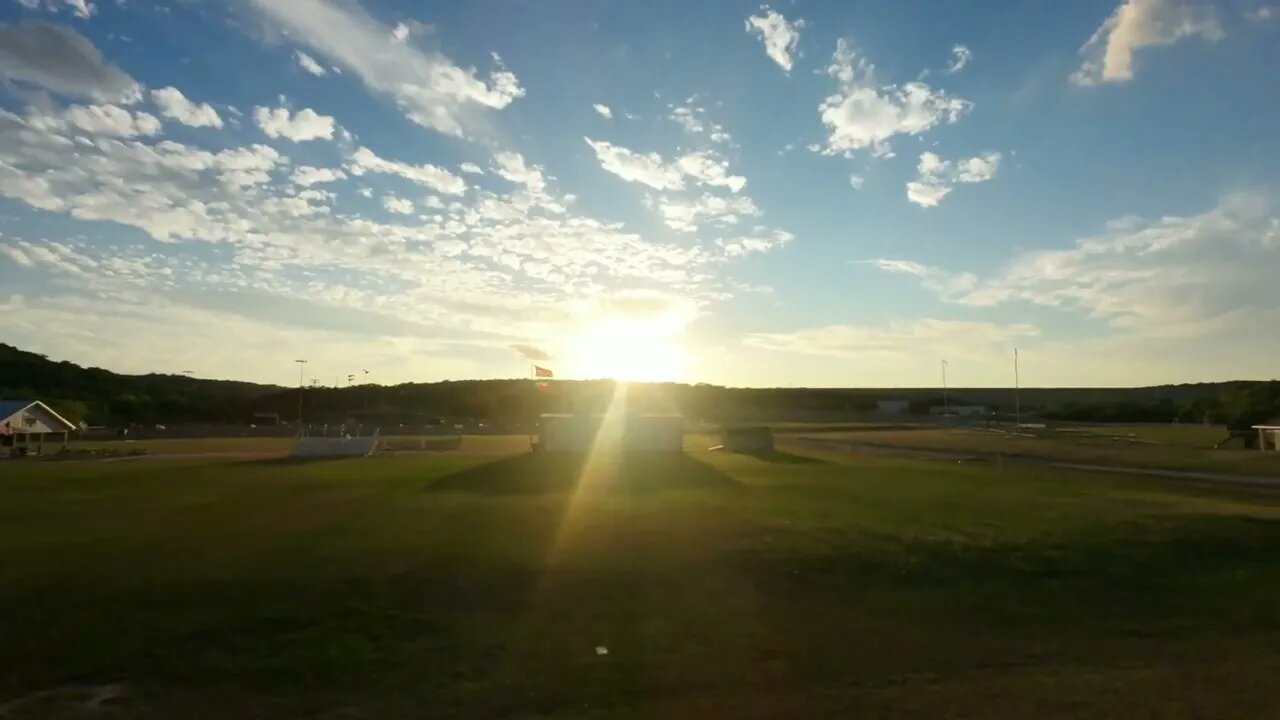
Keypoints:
(302, 366)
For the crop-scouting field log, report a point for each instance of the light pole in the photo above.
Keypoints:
(946, 401)
(302, 366)
(366, 389)
(1017, 402)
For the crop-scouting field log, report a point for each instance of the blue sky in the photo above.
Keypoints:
(808, 193)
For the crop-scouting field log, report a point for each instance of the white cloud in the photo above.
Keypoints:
(960, 57)
(173, 104)
(307, 175)
(708, 169)
(761, 242)
(692, 119)
(1261, 14)
(308, 63)
(925, 336)
(856, 181)
(400, 32)
(864, 115)
(645, 168)
(397, 205)
(472, 168)
(511, 166)
(63, 61)
(430, 89)
(779, 36)
(80, 8)
(439, 179)
(604, 111)
(704, 167)
(301, 126)
(109, 120)
(1171, 277)
(686, 216)
(938, 176)
(1137, 24)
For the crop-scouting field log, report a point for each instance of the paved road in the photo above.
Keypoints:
(936, 454)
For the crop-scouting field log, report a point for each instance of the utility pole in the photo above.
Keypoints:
(302, 365)
(1017, 402)
(366, 389)
(946, 401)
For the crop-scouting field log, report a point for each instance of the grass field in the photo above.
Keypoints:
(1170, 447)
(485, 585)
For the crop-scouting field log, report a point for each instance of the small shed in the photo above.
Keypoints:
(747, 439)
(25, 423)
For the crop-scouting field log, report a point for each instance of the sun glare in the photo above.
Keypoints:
(636, 350)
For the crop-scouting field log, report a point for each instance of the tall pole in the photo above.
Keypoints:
(1017, 402)
(302, 366)
(946, 401)
(366, 389)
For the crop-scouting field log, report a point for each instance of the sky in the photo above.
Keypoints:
(798, 194)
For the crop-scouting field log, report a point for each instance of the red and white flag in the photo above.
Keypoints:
(542, 372)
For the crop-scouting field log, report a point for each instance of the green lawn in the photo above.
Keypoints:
(1170, 447)
(479, 585)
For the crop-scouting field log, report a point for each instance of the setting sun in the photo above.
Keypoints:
(640, 350)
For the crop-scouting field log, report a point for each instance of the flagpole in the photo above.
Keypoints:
(946, 401)
(1017, 402)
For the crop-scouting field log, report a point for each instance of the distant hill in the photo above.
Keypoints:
(104, 397)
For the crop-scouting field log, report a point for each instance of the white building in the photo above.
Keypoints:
(25, 423)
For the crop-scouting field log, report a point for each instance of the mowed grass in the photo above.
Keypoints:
(481, 585)
(1169, 447)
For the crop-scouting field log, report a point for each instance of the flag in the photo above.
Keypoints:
(542, 372)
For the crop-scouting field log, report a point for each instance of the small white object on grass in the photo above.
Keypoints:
(602, 650)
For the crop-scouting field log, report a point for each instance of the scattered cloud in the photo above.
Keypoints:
(1260, 14)
(761, 241)
(960, 57)
(924, 336)
(865, 115)
(1138, 24)
(174, 105)
(436, 178)
(511, 166)
(304, 125)
(108, 120)
(856, 181)
(780, 37)
(63, 61)
(687, 215)
(469, 167)
(645, 168)
(704, 167)
(938, 176)
(1171, 277)
(80, 8)
(603, 110)
(397, 205)
(308, 63)
(427, 86)
(529, 352)
(307, 175)
(692, 119)
(400, 32)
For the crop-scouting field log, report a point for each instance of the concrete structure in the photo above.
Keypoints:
(640, 433)
(893, 407)
(747, 439)
(25, 423)
(1268, 434)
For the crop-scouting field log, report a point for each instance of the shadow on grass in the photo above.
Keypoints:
(548, 472)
